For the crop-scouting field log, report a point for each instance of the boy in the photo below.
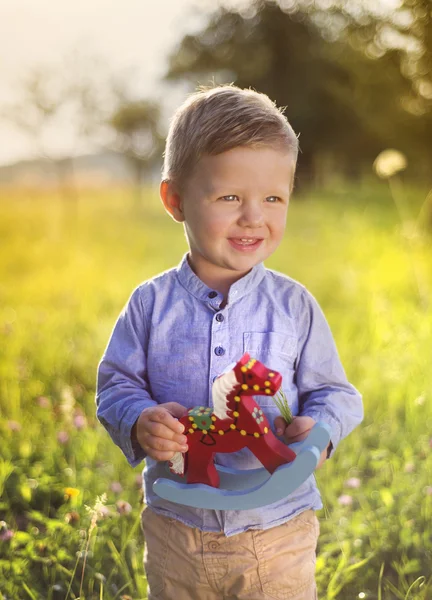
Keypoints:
(228, 176)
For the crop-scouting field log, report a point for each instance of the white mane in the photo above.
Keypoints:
(221, 388)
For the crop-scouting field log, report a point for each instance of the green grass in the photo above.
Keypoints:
(64, 277)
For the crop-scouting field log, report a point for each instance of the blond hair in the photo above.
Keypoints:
(214, 120)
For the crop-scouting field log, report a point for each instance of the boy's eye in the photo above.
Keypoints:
(234, 198)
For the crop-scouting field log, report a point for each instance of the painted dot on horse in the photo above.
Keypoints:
(235, 422)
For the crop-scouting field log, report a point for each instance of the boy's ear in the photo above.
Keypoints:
(171, 200)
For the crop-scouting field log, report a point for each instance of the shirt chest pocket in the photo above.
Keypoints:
(275, 350)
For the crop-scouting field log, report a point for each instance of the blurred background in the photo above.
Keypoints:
(87, 90)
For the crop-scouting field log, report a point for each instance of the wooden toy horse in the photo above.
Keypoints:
(235, 422)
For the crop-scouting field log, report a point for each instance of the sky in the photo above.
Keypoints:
(125, 34)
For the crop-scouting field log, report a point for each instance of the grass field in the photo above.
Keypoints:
(64, 277)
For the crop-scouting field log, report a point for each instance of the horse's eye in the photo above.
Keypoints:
(250, 376)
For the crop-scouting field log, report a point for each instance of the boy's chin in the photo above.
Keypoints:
(245, 265)
(242, 261)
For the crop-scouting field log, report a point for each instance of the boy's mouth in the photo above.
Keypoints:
(245, 244)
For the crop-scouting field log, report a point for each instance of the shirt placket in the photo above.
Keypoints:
(219, 358)
(219, 350)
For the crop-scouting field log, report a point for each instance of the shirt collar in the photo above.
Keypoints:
(193, 284)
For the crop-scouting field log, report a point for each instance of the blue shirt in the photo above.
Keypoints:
(172, 340)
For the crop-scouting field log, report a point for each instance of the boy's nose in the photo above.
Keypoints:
(251, 216)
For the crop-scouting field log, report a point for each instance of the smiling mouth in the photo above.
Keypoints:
(245, 243)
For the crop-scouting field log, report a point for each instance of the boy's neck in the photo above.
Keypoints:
(221, 287)
(220, 282)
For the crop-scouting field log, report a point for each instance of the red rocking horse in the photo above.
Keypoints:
(236, 421)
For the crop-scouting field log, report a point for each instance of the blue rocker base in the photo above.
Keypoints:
(242, 490)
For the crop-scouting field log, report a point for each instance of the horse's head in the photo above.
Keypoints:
(255, 378)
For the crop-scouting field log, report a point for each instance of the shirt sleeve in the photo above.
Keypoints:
(324, 391)
(122, 390)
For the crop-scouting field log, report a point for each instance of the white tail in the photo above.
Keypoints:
(177, 463)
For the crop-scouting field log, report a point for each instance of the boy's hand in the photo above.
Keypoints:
(158, 431)
(296, 431)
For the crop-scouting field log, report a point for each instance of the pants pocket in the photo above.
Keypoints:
(287, 557)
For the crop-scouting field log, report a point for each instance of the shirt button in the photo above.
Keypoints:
(219, 317)
(213, 545)
(212, 295)
(219, 351)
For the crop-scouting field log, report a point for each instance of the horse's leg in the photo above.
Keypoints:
(201, 468)
(270, 451)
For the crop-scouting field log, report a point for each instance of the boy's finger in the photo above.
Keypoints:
(161, 415)
(162, 431)
(159, 455)
(280, 425)
(177, 410)
(162, 445)
(296, 438)
(292, 436)
(299, 426)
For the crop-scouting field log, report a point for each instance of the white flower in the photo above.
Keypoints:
(97, 511)
(258, 415)
(389, 162)
(63, 437)
(123, 507)
(353, 482)
(116, 487)
(80, 421)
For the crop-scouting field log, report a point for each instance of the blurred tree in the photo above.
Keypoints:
(342, 99)
(403, 38)
(42, 101)
(138, 138)
(72, 97)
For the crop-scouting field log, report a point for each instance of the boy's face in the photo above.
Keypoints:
(234, 208)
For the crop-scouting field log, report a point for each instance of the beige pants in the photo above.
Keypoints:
(188, 564)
